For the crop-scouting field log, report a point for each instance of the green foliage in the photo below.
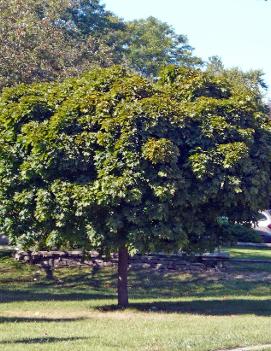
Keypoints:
(160, 151)
(46, 40)
(238, 232)
(55, 39)
(89, 17)
(110, 158)
(151, 44)
(246, 234)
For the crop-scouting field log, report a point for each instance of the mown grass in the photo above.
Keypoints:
(169, 311)
(250, 253)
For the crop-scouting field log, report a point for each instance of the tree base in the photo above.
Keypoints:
(123, 277)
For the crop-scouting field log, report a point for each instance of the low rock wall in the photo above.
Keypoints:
(93, 259)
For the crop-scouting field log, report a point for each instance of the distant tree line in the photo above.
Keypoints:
(54, 39)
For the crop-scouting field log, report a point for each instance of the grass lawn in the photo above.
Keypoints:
(243, 252)
(254, 254)
(169, 311)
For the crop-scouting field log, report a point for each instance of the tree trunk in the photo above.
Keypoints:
(122, 277)
(48, 270)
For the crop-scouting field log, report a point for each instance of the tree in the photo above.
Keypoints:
(49, 40)
(89, 17)
(215, 65)
(114, 162)
(252, 79)
(151, 44)
(54, 39)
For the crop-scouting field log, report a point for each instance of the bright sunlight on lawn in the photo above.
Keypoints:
(250, 253)
(169, 311)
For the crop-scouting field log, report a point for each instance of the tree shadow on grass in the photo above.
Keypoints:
(227, 307)
(143, 284)
(38, 320)
(8, 295)
(44, 340)
(214, 285)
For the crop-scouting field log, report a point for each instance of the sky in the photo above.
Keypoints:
(238, 31)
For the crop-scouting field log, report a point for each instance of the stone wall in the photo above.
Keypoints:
(93, 259)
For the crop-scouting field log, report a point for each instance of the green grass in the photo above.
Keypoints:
(5, 251)
(169, 311)
(250, 253)
(254, 254)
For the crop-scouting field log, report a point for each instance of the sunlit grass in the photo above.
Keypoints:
(243, 252)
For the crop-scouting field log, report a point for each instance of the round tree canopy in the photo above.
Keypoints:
(110, 158)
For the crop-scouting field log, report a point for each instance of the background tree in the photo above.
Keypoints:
(114, 162)
(54, 39)
(44, 40)
(252, 79)
(215, 65)
(89, 17)
(151, 44)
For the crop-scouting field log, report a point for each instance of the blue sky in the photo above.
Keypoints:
(238, 31)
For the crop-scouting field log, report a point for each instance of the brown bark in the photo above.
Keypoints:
(48, 270)
(123, 277)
